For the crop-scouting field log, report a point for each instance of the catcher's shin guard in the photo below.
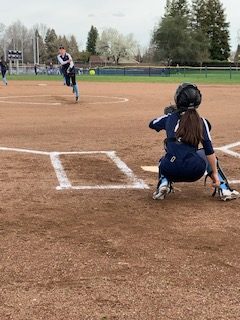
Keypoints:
(224, 191)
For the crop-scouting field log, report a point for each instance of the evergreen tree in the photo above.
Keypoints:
(92, 40)
(73, 48)
(51, 43)
(199, 28)
(199, 9)
(167, 7)
(177, 8)
(208, 17)
(62, 40)
(218, 30)
(172, 39)
(179, 38)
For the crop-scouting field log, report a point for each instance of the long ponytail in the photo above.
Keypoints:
(190, 128)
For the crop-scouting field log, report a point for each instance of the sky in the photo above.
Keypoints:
(76, 16)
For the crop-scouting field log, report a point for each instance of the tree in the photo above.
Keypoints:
(177, 8)
(114, 45)
(218, 30)
(172, 39)
(73, 47)
(63, 41)
(2, 40)
(38, 34)
(199, 27)
(51, 43)
(92, 40)
(84, 56)
(18, 37)
(198, 20)
(41, 28)
(209, 17)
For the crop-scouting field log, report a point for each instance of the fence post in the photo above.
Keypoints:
(206, 71)
(149, 71)
(230, 71)
(124, 71)
(184, 72)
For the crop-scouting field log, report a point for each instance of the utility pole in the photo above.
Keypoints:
(34, 49)
(37, 49)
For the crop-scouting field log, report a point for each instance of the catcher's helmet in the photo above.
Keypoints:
(187, 97)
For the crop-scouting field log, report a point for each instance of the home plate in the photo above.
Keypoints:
(150, 168)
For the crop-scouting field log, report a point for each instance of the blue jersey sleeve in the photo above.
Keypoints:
(159, 123)
(207, 140)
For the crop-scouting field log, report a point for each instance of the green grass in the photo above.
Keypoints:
(212, 78)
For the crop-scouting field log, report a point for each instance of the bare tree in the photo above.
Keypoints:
(18, 37)
(41, 28)
(2, 40)
(112, 44)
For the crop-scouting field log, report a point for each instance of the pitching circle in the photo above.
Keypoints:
(17, 99)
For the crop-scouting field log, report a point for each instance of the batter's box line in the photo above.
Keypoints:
(226, 149)
(64, 182)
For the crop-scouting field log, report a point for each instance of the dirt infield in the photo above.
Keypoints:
(103, 254)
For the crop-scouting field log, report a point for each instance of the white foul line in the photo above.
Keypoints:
(25, 151)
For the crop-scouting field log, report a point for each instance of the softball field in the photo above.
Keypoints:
(81, 237)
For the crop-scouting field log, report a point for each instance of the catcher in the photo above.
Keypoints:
(184, 161)
(68, 70)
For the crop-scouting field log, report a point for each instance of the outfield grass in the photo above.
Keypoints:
(212, 78)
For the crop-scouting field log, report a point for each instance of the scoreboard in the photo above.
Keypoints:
(14, 55)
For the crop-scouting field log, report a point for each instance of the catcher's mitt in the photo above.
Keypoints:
(170, 109)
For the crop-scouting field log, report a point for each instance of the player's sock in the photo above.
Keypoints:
(76, 91)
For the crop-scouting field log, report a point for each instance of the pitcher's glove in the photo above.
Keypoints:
(170, 109)
(70, 70)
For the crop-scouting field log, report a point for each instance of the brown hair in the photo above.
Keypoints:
(190, 128)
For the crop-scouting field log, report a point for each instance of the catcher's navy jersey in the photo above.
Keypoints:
(181, 162)
(170, 123)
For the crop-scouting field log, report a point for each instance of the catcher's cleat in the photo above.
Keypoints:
(162, 191)
(226, 194)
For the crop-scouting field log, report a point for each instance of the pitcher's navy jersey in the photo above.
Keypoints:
(181, 162)
(63, 60)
